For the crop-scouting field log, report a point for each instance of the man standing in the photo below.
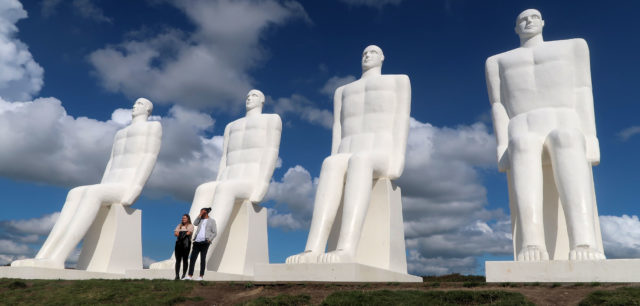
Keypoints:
(542, 107)
(204, 235)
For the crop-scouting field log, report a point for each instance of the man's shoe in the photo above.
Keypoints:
(186, 278)
(199, 278)
(177, 278)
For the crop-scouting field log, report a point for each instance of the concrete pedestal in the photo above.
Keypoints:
(611, 270)
(47, 273)
(340, 272)
(113, 244)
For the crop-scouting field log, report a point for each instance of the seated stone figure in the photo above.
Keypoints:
(371, 126)
(543, 115)
(134, 154)
(250, 153)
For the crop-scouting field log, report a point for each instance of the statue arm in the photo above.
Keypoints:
(108, 168)
(401, 126)
(146, 165)
(498, 112)
(268, 159)
(337, 128)
(584, 100)
(223, 159)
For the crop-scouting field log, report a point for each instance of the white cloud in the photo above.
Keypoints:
(621, 236)
(295, 191)
(147, 261)
(334, 82)
(20, 76)
(217, 55)
(36, 226)
(304, 109)
(18, 237)
(371, 3)
(89, 10)
(629, 132)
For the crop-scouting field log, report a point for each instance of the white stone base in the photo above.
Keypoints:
(608, 271)
(339, 272)
(170, 274)
(46, 273)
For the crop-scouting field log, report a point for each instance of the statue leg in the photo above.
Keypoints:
(571, 172)
(223, 202)
(357, 195)
(66, 217)
(525, 153)
(202, 198)
(325, 207)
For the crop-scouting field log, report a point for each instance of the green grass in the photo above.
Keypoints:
(620, 296)
(414, 297)
(282, 299)
(92, 292)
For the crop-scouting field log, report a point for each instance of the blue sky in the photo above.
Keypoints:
(69, 69)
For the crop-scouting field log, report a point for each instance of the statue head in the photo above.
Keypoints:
(372, 56)
(255, 98)
(529, 23)
(142, 106)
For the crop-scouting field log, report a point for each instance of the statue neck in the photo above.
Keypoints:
(140, 118)
(254, 112)
(532, 41)
(373, 71)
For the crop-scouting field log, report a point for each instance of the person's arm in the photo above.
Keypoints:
(145, 167)
(584, 99)
(269, 157)
(498, 112)
(189, 229)
(337, 127)
(401, 126)
(213, 230)
(223, 159)
(176, 232)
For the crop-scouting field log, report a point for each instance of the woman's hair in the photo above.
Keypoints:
(188, 219)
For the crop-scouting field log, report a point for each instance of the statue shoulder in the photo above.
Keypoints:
(274, 119)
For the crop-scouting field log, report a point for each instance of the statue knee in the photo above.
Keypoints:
(359, 161)
(570, 138)
(330, 163)
(523, 145)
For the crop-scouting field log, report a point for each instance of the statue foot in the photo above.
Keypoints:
(337, 256)
(304, 257)
(38, 262)
(162, 265)
(533, 253)
(585, 252)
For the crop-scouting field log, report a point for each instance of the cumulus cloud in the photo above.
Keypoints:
(20, 238)
(295, 193)
(304, 109)
(20, 76)
(621, 236)
(372, 3)
(89, 10)
(217, 55)
(334, 82)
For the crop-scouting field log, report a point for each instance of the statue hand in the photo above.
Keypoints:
(593, 150)
(503, 159)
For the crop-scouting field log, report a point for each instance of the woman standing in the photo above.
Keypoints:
(183, 244)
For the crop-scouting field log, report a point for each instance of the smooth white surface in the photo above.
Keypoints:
(134, 154)
(371, 125)
(610, 270)
(114, 241)
(170, 274)
(52, 273)
(250, 153)
(336, 272)
(543, 116)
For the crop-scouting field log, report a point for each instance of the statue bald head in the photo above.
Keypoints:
(142, 106)
(529, 23)
(255, 98)
(372, 56)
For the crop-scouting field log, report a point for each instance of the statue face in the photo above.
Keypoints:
(529, 23)
(255, 98)
(142, 106)
(372, 57)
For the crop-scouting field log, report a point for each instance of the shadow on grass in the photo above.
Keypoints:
(620, 296)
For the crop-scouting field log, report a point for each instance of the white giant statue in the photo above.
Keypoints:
(543, 115)
(249, 157)
(370, 130)
(134, 154)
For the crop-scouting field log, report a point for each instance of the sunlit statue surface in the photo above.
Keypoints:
(134, 154)
(370, 130)
(250, 154)
(543, 115)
